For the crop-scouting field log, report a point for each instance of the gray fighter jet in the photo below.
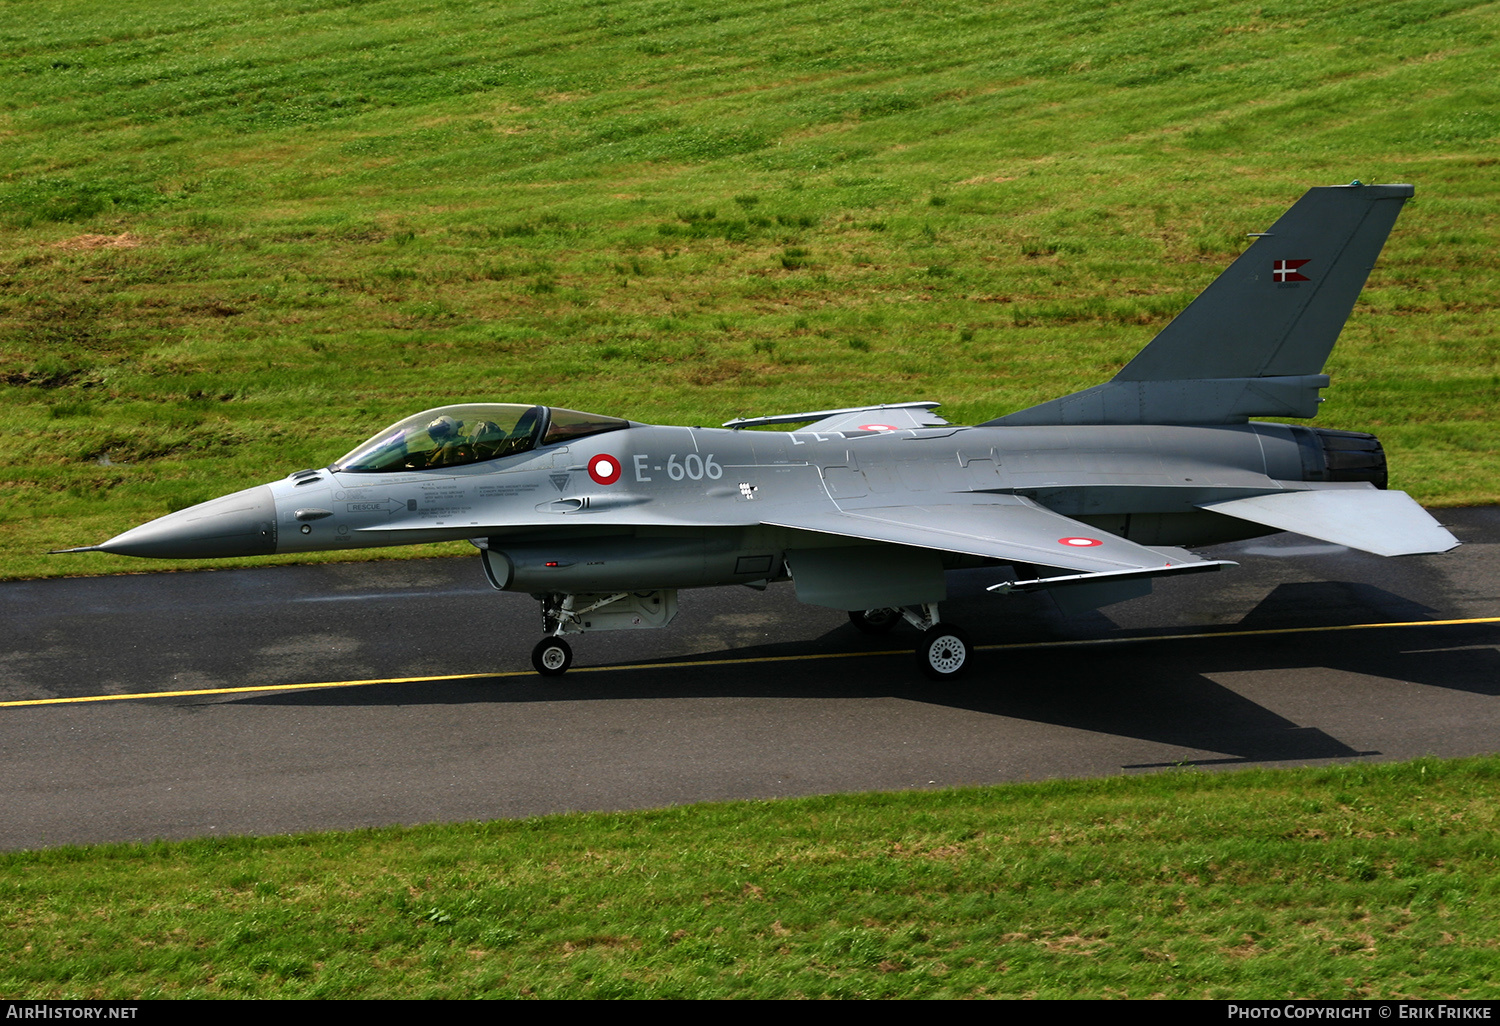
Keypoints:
(1090, 496)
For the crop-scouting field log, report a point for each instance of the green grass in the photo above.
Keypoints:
(1366, 881)
(236, 241)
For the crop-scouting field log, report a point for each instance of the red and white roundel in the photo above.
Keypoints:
(1079, 543)
(876, 427)
(604, 469)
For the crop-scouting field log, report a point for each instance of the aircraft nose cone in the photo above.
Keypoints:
(242, 524)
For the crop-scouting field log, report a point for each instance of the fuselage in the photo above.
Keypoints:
(676, 507)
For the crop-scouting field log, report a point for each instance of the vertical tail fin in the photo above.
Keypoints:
(1253, 344)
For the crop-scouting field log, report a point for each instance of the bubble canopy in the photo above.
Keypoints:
(453, 436)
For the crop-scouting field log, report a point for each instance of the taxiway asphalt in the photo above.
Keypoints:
(1288, 659)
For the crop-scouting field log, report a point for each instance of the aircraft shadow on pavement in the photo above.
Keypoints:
(1155, 690)
(1332, 604)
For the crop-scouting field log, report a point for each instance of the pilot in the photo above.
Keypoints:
(448, 444)
(490, 440)
(487, 440)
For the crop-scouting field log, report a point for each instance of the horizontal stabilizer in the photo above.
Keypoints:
(892, 417)
(1385, 523)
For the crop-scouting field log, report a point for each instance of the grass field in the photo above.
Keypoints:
(1375, 881)
(237, 240)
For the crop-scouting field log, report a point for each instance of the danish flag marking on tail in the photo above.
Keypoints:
(1286, 270)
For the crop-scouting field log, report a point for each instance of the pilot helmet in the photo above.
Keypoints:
(442, 428)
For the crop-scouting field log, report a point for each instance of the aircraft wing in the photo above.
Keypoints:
(1011, 528)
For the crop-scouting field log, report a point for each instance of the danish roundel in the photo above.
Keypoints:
(604, 469)
(1079, 543)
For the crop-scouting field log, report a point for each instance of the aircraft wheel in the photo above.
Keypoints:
(552, 657)
(875, 621)
(944, 652)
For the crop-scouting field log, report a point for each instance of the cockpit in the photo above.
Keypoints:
(454, 436)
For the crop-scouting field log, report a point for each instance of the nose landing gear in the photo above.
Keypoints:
(552, 657)
(583, 612)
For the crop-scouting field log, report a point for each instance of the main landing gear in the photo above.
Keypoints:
(875, 621)
(944, 651)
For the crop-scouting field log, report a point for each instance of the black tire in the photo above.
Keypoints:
(944, 652)
(875, 621)
(552, 657)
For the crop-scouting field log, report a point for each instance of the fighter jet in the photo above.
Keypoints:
(1090, 497)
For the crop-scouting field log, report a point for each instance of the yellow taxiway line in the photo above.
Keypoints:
(1014, 646)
